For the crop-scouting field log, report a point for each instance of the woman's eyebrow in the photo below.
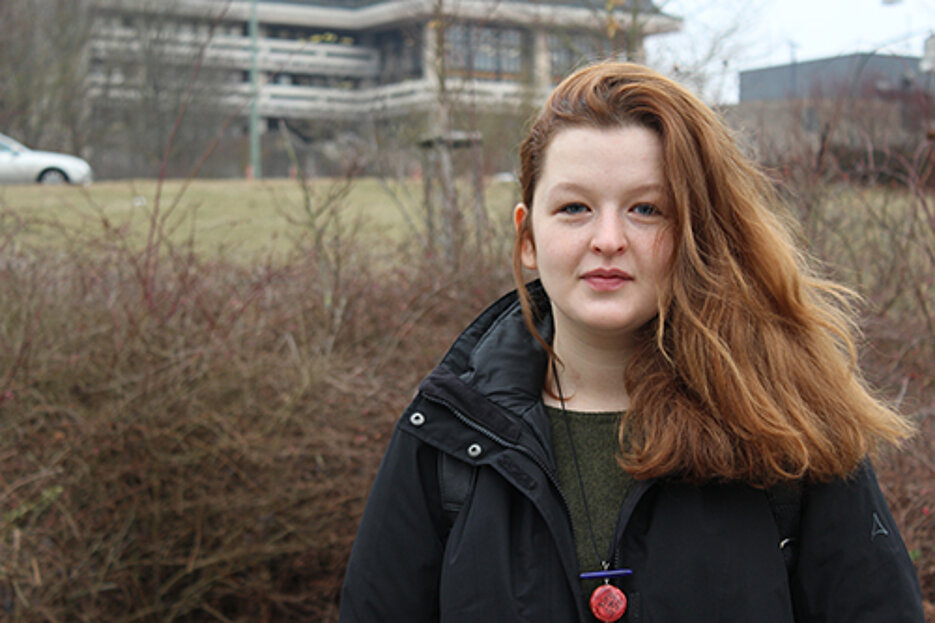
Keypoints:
(575, 187)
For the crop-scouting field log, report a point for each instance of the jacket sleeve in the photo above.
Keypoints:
(393, 571)
(852, 564)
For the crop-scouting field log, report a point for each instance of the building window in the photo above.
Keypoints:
(569, 50)
(484, 52)
(400, 55)
(511, 51)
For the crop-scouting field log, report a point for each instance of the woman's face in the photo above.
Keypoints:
(601, 235)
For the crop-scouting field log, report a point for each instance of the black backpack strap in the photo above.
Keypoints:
(455, 482)
(785, 501)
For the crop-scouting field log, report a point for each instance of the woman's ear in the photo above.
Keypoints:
(524, 232)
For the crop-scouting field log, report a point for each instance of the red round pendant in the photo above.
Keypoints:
(608, 603)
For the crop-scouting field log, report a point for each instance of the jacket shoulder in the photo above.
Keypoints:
(853, 564)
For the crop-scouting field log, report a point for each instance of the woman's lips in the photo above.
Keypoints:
(606, 280)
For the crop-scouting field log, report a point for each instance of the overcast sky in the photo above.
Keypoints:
(774, 32)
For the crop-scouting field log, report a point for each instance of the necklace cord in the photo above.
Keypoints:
(574, 458)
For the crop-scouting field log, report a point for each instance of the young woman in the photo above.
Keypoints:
(667, 426)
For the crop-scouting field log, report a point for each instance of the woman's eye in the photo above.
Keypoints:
(574, 208)
(645, 209)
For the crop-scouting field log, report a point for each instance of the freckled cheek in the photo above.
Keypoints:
(558, 249)
(555, 261)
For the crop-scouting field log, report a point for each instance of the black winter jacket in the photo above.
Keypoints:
(698, 553)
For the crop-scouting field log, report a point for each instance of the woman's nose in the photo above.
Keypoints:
(609, 237)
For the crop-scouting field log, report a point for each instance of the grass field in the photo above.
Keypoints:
(236, 217)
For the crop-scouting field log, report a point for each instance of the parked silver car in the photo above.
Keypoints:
(21, 165)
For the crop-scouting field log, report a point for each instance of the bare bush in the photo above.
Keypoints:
(192, 439)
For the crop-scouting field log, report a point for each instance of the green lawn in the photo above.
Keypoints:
(226, 216)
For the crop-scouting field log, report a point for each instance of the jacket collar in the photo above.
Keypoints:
(495, 369)
(499, 357)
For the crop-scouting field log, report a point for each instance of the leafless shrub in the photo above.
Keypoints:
(193, 439)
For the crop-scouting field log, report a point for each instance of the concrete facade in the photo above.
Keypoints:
(351, 58)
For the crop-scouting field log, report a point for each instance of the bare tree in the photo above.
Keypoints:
(156, 95)
(702, 54)
(43, 64)
(449, 136)
(110, 85)
(440, 145)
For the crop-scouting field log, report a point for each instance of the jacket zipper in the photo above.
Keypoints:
(619, 529)
(552, 478)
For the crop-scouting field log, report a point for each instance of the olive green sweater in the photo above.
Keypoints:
(605, 483)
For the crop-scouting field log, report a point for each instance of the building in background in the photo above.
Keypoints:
(846, 103)
(854, 75)
(344, 59)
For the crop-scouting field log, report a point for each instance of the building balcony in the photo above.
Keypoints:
(306, 102)
(369, 15)
(233, 52)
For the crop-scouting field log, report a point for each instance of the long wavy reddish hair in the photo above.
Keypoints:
(749, 370)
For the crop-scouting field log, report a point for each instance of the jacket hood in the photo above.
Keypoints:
(497, 356)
